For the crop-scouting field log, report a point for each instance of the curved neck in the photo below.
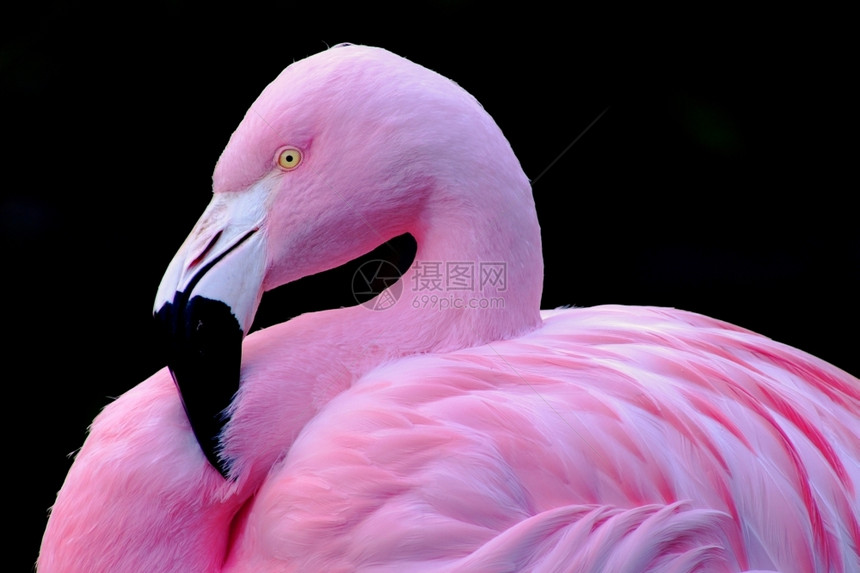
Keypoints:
(474, 280)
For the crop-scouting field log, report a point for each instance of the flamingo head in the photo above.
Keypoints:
(341, 152)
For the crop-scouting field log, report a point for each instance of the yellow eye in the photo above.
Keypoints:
(289, 158)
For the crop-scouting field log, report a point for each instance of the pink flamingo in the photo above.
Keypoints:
(455, 436)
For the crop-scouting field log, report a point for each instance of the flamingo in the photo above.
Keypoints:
(476, 434)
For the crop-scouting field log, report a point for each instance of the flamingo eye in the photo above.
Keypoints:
(289, 158)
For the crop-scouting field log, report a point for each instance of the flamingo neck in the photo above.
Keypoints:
(475, 279)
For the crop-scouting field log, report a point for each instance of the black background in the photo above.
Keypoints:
(721, 179)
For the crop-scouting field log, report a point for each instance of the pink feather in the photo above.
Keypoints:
(605, 439)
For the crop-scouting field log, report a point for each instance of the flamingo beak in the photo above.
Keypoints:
(204, 307)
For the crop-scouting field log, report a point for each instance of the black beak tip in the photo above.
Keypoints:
(202, 341)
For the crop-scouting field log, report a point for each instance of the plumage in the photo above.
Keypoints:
(467, 438)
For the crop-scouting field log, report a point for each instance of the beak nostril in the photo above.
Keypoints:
(203, 253)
